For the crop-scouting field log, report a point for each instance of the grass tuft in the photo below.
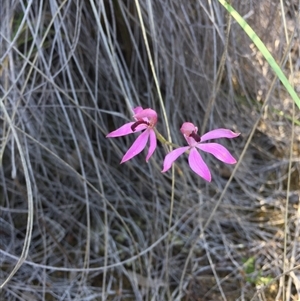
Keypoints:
(77, 225)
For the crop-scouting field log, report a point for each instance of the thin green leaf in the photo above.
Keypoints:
(262, 48)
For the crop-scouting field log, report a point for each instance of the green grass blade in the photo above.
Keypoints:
(262, 48)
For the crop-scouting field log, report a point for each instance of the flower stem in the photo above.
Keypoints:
(162, 139)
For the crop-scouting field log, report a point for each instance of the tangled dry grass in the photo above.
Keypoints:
(77, 225)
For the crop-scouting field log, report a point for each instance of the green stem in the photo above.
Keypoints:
(162, 139)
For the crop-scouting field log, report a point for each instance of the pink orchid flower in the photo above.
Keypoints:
(196, 162)
(145, 119)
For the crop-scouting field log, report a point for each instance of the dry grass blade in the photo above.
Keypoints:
(77, 225)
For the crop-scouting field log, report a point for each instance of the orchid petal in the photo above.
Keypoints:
(121, 131)
(137, 146)
(219, 133)
(172, 156)
(153, 144)
(147, 113)
(198, 165)
(137, 110)
(187, 128)
(191, 141)
(217, 150)
(140, 127)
